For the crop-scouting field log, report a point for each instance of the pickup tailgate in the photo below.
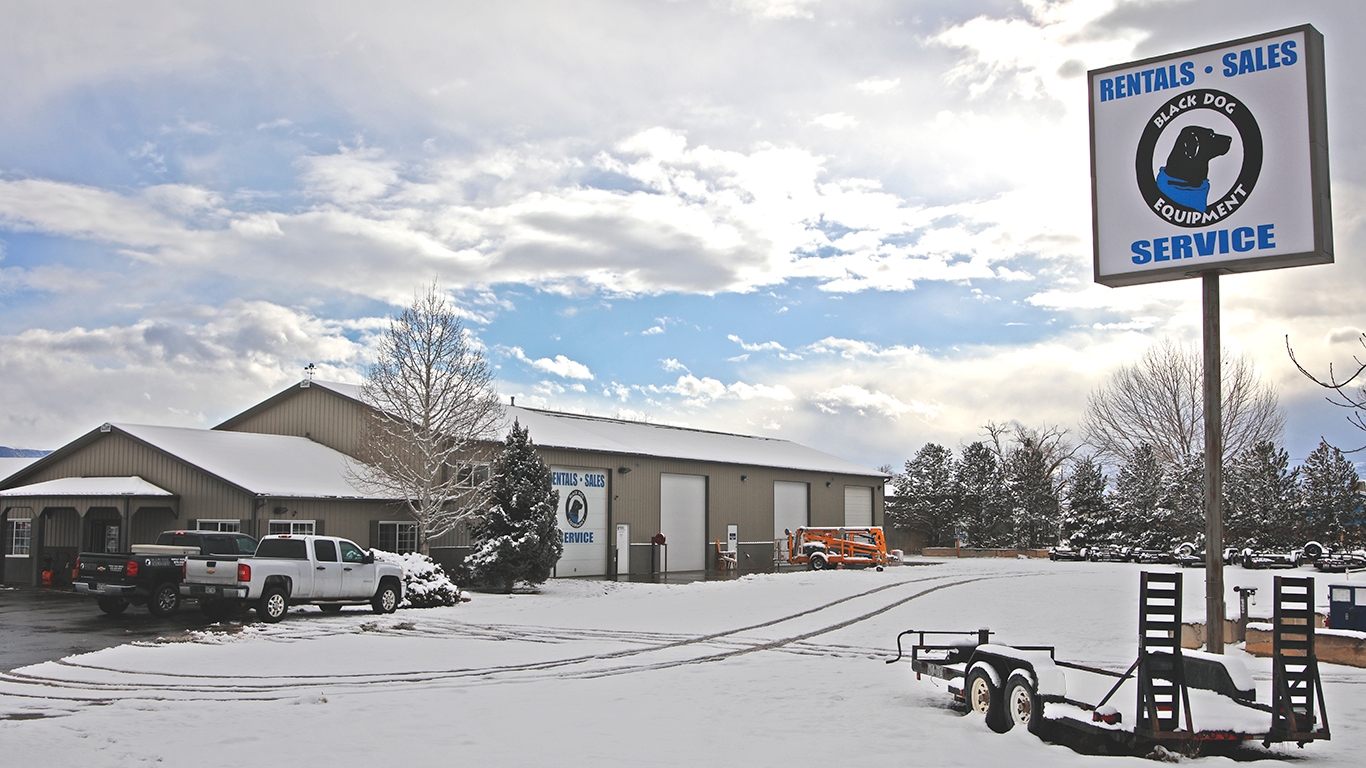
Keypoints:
(211, 569)
(102, 568)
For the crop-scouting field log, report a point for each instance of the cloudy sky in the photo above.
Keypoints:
(858, 225)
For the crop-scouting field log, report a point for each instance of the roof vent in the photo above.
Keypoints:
(106, 427)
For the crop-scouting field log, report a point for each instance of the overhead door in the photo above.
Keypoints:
(789, 507)
(858, 506)
(683, 520)
(582, 520)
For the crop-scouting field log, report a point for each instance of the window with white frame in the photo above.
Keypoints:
(20, 537)
(291, 527)
(471, 475)
(222, 526)
(397, 537)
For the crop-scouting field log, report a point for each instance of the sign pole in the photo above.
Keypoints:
(1214, 468)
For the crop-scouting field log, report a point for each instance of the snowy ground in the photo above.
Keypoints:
(763, 670)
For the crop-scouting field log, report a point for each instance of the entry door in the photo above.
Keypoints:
(789, 508)
(858, 506)
(683, 520)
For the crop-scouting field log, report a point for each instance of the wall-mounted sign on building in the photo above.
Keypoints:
(1212, 158)
(582, 520)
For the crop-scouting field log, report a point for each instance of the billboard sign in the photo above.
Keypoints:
(1211, 159)
(582, 520)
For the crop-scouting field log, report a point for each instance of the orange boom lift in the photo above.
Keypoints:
(821, 548)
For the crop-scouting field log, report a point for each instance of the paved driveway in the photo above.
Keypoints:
(39, 624)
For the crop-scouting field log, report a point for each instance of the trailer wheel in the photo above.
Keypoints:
(985, 699)
(1022, 704)
(818, 563)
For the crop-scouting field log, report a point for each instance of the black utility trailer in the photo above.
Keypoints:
(1188, 701)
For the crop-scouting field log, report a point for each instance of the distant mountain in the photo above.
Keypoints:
(21, 453)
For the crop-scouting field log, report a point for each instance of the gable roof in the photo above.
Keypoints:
(263, 465)
(90, 486)
(552, 429)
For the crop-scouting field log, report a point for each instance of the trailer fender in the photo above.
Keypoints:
(991, 671)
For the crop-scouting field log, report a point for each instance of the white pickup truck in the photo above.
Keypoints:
(292, 570)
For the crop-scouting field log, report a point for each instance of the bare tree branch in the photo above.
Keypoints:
(1345, 398)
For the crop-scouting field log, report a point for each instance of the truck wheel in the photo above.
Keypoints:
(112, 605)
(1022, 703)
(985, 699)
(818, 563)
(386, 599)
(272, 606)
(164, 599)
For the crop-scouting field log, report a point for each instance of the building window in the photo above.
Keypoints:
(222, 526)
(291, 527)
(20, 537)
(397, 537)
(472, 475)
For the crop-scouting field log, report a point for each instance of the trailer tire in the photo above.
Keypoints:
(1022, 705)
(112, 605)
(818, 563)
(1314, 550)
(984, 696)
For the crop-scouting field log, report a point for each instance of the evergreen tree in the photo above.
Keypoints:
(924, 496)
(1183, 499)
(1261, 498)
(1088, 511)
(1329, 499)
(1138, 490)
(517, 539)
(981, 510)
(1033, 503)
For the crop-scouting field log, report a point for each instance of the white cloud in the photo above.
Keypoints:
(559, 365)
(672, 365)
(878, 85)
(835, 121)
(763, 347)
(653, 330)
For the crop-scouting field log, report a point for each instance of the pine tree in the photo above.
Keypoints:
(924, 496)
(981, 508)
(1032, 501)
(1262, 499)
(1183, 498)
(517, 539)
(1088, 511)
(1138, 489)
(1329, 499)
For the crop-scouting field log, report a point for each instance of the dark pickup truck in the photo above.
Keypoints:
(151, 573)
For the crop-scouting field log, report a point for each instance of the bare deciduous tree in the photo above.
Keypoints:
(1344, 394)
(1051, 441)
(1159, 401)
(434, 413)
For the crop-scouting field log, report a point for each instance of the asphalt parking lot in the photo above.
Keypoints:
(39, 625)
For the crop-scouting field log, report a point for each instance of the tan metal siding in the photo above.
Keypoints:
(61, 528)
(314, 413)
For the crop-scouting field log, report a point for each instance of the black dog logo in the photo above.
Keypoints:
(1185, 177)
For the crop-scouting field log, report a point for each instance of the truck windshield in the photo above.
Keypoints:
(283, 549)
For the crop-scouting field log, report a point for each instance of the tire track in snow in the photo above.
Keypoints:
(168, 686)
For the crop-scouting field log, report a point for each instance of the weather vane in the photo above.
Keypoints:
(309, 370)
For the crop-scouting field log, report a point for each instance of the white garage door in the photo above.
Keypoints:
(789, 507)
(858, 506)
(683, 520)
(582, 520)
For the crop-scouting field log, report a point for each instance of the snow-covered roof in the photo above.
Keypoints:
(265, 465)
(90, 486)
(578, 432)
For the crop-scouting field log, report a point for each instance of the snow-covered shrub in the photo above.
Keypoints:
(425, 584)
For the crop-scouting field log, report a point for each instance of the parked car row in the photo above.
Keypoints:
(231, 572)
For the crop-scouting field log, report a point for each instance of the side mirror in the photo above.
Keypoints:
(368, 559)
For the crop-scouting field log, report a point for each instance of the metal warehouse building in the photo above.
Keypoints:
(282, 466)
